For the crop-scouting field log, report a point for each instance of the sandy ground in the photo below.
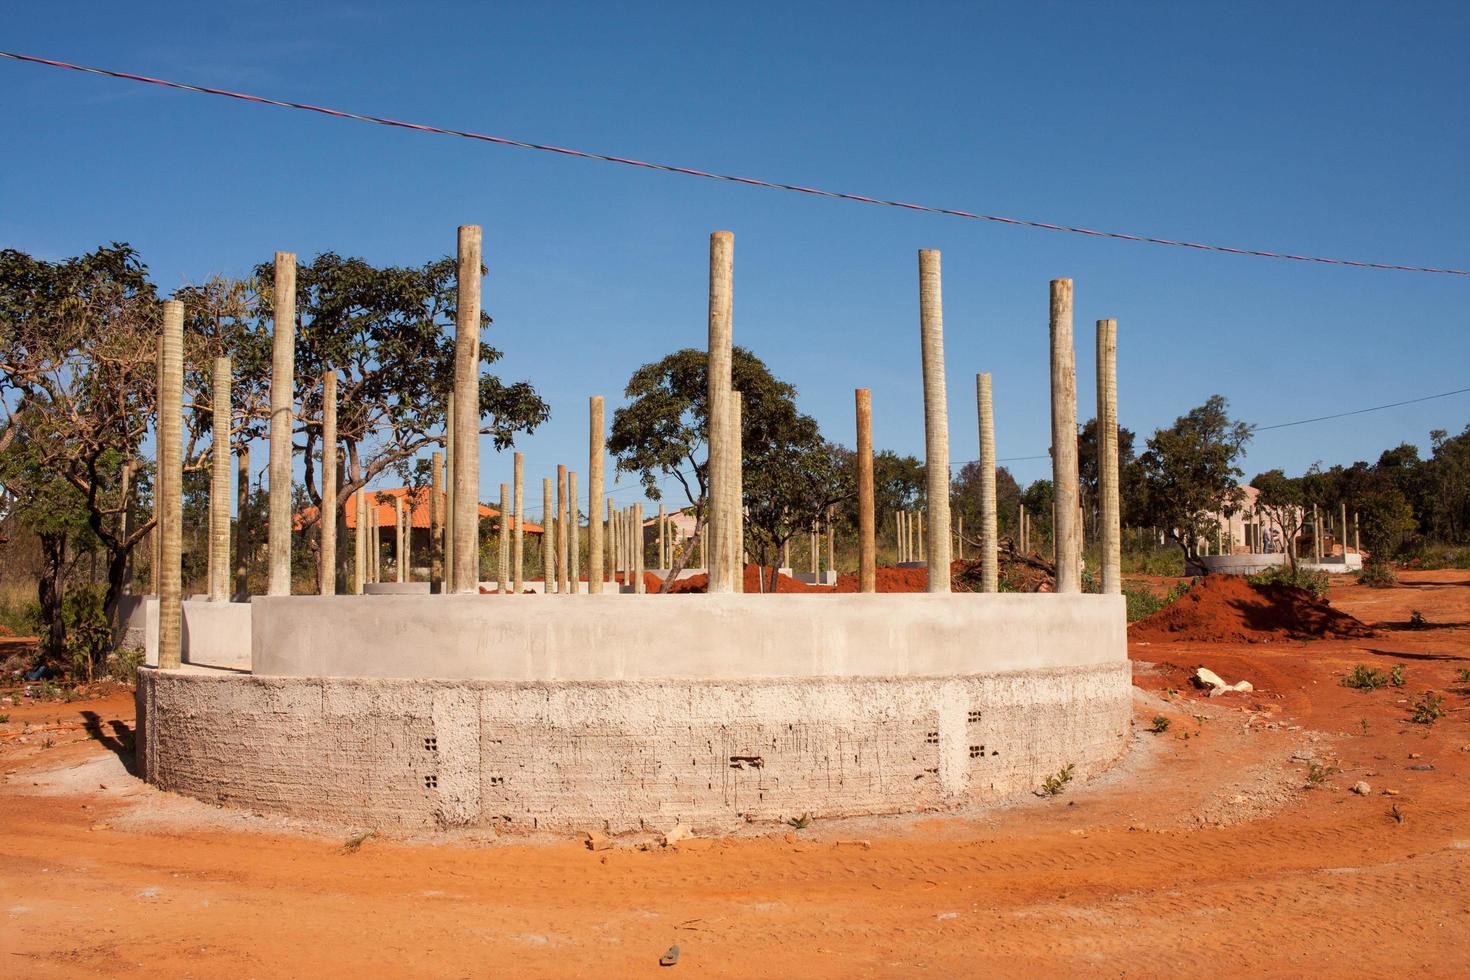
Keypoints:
(1205, 852)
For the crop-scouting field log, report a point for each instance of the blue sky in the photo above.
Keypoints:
(1327, 129)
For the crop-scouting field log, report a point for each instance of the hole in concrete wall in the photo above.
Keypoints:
(746, 761)
(977, 751)
(931, 738)
(994, 752)
(431, 782)
(431, 744)
(974, 717)
(497, 780)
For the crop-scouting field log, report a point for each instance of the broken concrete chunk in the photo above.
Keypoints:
(1206, 678)
(597, 841)
(1362, 788)
(680, 832)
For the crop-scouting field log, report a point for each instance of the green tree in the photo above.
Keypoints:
(1189, 473)
(1283, 501)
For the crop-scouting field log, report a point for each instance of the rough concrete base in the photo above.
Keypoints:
(622, 755)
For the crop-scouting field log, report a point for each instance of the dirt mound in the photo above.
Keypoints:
(1229, 609)
(756, 580)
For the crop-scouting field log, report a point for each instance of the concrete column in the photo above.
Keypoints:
(436, 522)
(170, 488)
(1316, 536)
(1344, 532)
(242, 524)
(574, 560)
(1068, 547)
(637, 522)
(1110, 518)
(283, 381)
(596, 454)
(561, 530)
(502, 562)
(831, 544)
(1357, 538)
(548, 560)
(327, 559)
(919, 523)
(450, 455)
(465, 520)
(375, 539)
(959, 537)
(612, 545)
(400, 556)
(219, 486)
(936, 420)
(359, 541)
(989, 533)
(735, 508)
(867, 532)
(519, 544)
(155, 537)
(722, 542)
(663, 545)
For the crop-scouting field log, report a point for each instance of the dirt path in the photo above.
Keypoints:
(1203, 853)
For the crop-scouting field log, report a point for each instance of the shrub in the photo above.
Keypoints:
(1160, 725)
(1378, 575)
(1317, 774)
(1054, 784)
(1396, 676)
(1418, 622)
(1313, 581)
(1142, 603)
(1428, 709)
(88, 633)
(124, 663)
(1365, 679)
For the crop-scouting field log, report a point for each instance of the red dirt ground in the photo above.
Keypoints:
(1228, 609)
(1204, 852)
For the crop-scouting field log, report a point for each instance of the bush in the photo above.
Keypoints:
(123, 665)
(1428, 709)
(1365, 679)
(1165, 560)
(1378, 575)
(1142, 603)
(88, 633)
(1313, 581)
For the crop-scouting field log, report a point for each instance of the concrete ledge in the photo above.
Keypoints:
(609, 637)
(1251, 564)
(572, 755)
(215, 634)
(396, 588)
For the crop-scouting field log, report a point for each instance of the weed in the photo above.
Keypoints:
(1142, 603)
(1428, 709)
(1378, 575)
(4, 719)
(1464, 675)
(1396, 675)
(1314, 582)
(800, 823)
(123, 665)
(1364, 723)
(1054, 784)
(354, 843)
(1418, 622)
(1318, 774)
(50, 742)
(1160, 725)
(1365, 679)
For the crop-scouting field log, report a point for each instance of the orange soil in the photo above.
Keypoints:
(1202, 853)
(1228, 609)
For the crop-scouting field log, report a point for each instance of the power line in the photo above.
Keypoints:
(1360, 411)
(748, 181)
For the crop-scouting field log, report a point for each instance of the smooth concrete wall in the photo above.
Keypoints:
(396, 588)
(215, 634)
(683, 636)
(629, 755)
(1251, 564)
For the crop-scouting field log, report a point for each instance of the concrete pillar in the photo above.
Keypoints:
(400, 559)
(155, 537)
(831, 543)
(375, 539)
(989, 533)
(1344, 532)
(548, 560)
(936, 420)
(574, 546)
(1110, 518)
(450, 455)
(814, 558)
(219, 486)
(735, 508)
(242, 524)
(636, 519)
(465, 520)
(1357, 538)
(359, 542)
(436, 522)
(561, 529)
(170, 487)
(959, 537)
(283, 380)
(663, 544)
(920, 524)
(722, 542)
(612, 545)
(596, 454)
(867, 531)
(1316, 536)
(331, 509)
(519, 544)
(1067, 545)
(502, 562)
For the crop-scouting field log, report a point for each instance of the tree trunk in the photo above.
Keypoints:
(49, 591)
(684, 554)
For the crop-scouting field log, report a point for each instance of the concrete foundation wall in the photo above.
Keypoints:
(573, 755)
(1251, 564)
(215, 634)
(685, 636)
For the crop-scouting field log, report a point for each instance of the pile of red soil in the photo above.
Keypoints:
(1229, 609)
(757, 579)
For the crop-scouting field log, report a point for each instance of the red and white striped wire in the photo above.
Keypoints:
(748, 181)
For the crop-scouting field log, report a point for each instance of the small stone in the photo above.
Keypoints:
(1390, 792)
(1422, 767)
(1414, 755)
(1362, 788)
(101, 826)
(597, 841)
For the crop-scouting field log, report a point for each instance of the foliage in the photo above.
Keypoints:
(1152, 560)
(1377, 575)
(1418, 622)
(1282, 500)
(1057, 782)
(1318, 773)
(1363, 678)
(1314, 581)
(1141, 602)
(1396, 675)
(1188, 473)
(1427, 710)
(1160, 725)
(124, 663)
